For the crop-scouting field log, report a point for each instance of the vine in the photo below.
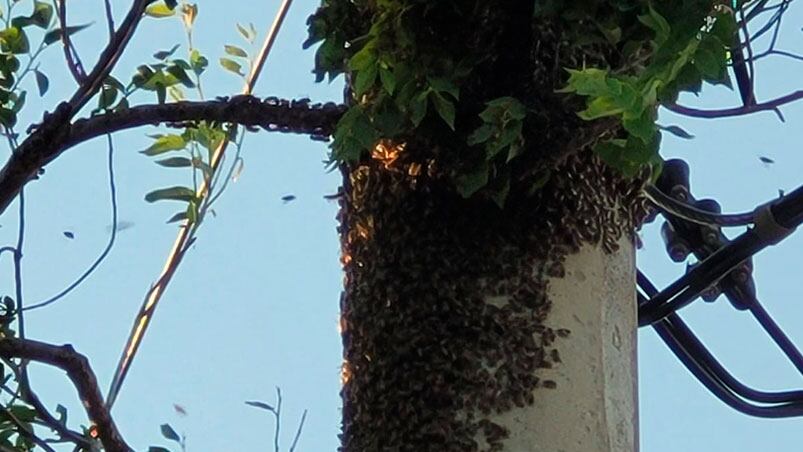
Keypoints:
(627, 58)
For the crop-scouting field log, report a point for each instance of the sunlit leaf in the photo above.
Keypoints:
(235, 51)
(232, 66)
(165, 143)
(159, 10)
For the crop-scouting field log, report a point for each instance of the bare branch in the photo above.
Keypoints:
(73, 61)
(80, 373)
(109, 18)
(770, 105)
(56, 134)
(109, 56)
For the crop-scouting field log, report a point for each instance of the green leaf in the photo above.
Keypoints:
(55, 35)
(658, 24)
(175, 162)
(165, 143)
(677, 131)
(42, 14)
(444, 108)
(480, 135)
(472, 181)
(418, 108)
(198, 62)
(23, 413)
(178, 72)
(232, 66)
(235, 51)
(642, 127)
(364, 58)
(169, 433)
(587, 82)
(14, 40)
(181, 216)
(388, 80)
(19, 101)
(601, 107)
(158, 449)
(365, 80)
(444, 85)
(108, 94)
(42, 83)
(245, 33)
(159, 10)
(164, 54)
(172, 193)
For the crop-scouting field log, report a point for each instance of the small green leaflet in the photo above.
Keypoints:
(172, 194)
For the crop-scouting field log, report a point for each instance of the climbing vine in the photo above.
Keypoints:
(410, 66)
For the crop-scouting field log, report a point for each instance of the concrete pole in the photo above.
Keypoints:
(593, 406)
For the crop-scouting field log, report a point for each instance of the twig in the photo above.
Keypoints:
(298, 432)
(109, 18)
(278, 414)
(73, 61)
(771, 105)
(186, 232)
(109, 245)
(25, 431)
(80, 373)
(109, 56)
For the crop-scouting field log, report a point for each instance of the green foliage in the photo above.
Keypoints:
(404, 84)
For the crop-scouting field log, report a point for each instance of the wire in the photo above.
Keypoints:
(688, 212)
(709, 372)
(109, 244)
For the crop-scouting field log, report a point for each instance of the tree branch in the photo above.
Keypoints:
(109, 56)
(55, 134)
(80, 373)
(771, 105)
(73, 63)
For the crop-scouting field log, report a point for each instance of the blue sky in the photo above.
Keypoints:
(255, 303)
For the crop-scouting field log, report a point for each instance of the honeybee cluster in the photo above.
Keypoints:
(430, 352)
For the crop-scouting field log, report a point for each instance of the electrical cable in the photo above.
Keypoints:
(702, 364)
(778, 220)
(688, 212)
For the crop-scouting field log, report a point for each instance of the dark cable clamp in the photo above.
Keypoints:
(766, 228)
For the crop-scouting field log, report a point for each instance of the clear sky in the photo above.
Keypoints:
(255, 303)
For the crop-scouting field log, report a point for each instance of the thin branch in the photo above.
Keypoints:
(278, 413)
(109, 56)
(55, 136)
(185, 236)
(298, 432)
(109, 18)
(80, 373)
(771, 105)
(25, 431)
(70, 55)
(44, 414)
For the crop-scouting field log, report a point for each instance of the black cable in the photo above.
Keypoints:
(689, 286)
(688, 212)
(778, 336)
(702, 364)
